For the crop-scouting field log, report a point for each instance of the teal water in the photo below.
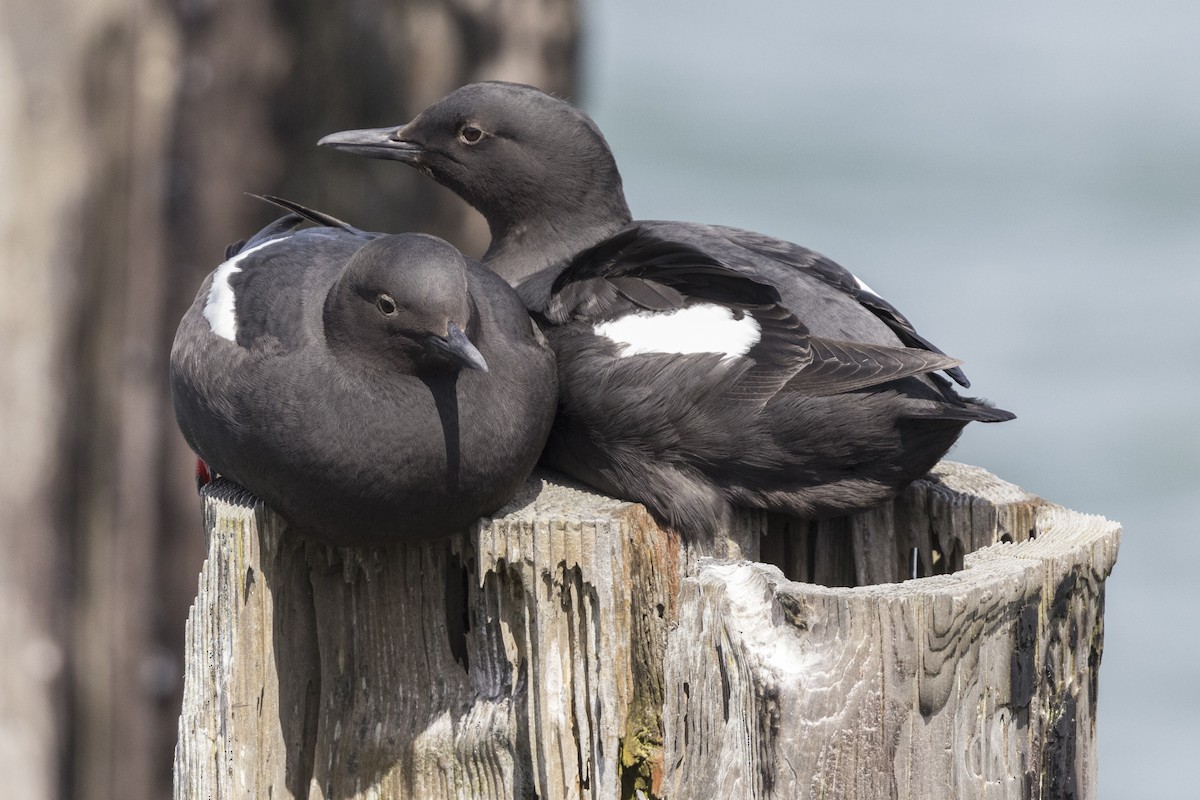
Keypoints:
(1023, 181)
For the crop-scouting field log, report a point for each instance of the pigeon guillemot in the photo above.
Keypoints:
(699, 365)
(370, 388)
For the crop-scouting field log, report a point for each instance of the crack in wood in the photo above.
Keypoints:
(572, 649)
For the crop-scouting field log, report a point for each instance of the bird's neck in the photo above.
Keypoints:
(531, 252)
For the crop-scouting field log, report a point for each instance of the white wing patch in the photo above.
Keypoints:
(701, 328)
(219, 308)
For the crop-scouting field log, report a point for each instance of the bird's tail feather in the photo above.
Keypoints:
(971, 409)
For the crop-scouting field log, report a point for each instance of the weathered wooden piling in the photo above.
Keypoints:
(570, 648)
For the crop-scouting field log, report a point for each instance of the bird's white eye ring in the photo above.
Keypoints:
(469, 134)
(385, 304)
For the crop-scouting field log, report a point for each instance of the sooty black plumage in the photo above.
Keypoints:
(834, 407)
(370, 388)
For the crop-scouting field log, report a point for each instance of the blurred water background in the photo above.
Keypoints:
(1023, 181)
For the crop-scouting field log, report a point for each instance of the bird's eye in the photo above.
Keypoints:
(386, 305)
(469, 134)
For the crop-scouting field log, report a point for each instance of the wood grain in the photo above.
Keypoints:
(976, 684)
(569, 648)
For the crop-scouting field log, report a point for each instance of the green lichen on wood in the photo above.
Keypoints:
(641, 759)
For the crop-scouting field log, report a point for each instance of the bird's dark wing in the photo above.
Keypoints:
(844, 366)
(638, 271)
(835, 275)
(282, 225)
(310, 214)
(278, 270)
(787, 359)
(285, 224)
(276, 276)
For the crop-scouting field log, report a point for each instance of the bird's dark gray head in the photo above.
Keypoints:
(405, 298)
(510, 150)
(535, 166)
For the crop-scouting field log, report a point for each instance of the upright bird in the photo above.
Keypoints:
(369, 388)
(699, 365)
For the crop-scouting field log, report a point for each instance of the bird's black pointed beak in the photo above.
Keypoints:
(459, 348)
(375, 143)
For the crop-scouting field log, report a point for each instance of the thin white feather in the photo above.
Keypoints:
(863, 285)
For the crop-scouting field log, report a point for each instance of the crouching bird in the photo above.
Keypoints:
(699, 365)
(369, 388)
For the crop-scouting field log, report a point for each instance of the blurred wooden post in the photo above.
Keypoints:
(572, 649)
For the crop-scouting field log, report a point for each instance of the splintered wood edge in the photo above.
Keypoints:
(578, 520)
(1058, 531)
(553, 496)
(1059, 535)
(542, 496)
